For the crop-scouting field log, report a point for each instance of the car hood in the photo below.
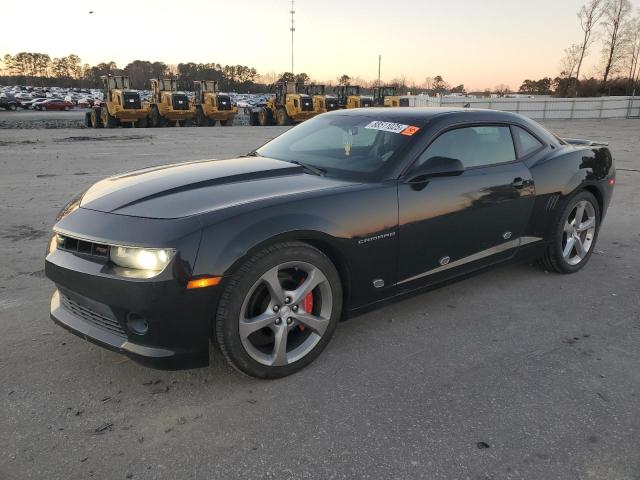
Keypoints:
(185, 189)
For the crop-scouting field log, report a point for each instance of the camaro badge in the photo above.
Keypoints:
(377, 237)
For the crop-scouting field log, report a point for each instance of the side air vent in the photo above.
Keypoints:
(552, 203)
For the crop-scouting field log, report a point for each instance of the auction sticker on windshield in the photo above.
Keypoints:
(392, 127)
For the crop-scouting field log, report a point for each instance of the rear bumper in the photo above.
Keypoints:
(180, 115)
(302, 116)
(131, 115)
(222, 115)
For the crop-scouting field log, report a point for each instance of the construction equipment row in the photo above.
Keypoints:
(288, 104)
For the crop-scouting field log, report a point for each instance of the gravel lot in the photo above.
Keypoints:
(515, 373)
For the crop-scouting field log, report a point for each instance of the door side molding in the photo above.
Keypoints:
(503, 247)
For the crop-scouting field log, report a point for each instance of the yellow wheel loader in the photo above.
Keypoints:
(212, 106)
(349, 97)
(120, 105)
(168, 107)
(386, 97)
(321, 102)
(284, 107)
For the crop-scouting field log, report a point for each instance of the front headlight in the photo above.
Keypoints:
(150, 259)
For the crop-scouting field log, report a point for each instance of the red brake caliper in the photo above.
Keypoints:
(307, 304)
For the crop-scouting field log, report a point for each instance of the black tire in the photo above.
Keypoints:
(87, 120)
(157, 121)
(282, 117)
(108, 120)
(265, 117)
(227, 123)
(226, 327)
(13, 107)
(211, 122)
(142, 122)
(553, 260)
(66, 109)
(201, 120)
(187, 123)
(96, 121)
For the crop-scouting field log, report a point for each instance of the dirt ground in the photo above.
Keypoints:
(515, 373)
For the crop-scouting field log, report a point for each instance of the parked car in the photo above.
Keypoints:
(53, 104)
(263, 255)
(9, 102)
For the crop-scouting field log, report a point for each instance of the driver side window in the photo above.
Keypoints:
(473, 146)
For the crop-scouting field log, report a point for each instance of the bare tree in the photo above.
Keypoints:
(570, 62)
(428, 83)
(589, 16)
(634, 54)
(616, 24)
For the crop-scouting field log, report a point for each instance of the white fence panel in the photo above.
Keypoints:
(542, 108)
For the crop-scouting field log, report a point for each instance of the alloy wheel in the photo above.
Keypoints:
(579, 232)
(285, 313)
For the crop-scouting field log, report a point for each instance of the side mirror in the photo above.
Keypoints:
(436, 167)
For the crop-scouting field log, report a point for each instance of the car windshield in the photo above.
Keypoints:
(356, 147)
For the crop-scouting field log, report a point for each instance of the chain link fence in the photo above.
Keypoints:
(546, 108)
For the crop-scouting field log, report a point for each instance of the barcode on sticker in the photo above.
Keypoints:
(386, 126)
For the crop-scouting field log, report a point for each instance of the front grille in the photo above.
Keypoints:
(132, 101)
(307, 104)
(224, 102)
(180, 102)
(83, 247)
(110, 324)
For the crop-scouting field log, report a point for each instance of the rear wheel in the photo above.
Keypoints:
(279, 310)
(108, 120)
(201, 120)
(13, 107)
(156, 119)
(574, 236)
(227, 123)
(283, 117)
(264, 117)
(142, 123)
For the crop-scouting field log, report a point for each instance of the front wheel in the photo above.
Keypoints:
(279, 310)
(574, 235)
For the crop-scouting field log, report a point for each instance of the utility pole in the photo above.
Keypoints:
(293, 29)
(379, 64)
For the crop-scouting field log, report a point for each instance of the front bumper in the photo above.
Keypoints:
(97, 305)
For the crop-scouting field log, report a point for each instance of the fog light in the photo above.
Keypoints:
(137, 324)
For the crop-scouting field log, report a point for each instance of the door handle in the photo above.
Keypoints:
(518, 182)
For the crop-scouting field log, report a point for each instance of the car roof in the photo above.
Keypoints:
(426, 114)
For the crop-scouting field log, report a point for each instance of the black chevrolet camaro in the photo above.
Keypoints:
(264, 254)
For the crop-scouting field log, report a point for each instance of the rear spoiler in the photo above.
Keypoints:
(585, 143)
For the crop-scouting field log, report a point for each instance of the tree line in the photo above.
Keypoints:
(39, 69)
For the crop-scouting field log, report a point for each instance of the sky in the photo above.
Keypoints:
(480, 43)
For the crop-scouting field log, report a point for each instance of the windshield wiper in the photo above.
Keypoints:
(315, 170)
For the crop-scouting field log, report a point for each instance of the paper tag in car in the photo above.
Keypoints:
(386, 126)
(392, 127)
